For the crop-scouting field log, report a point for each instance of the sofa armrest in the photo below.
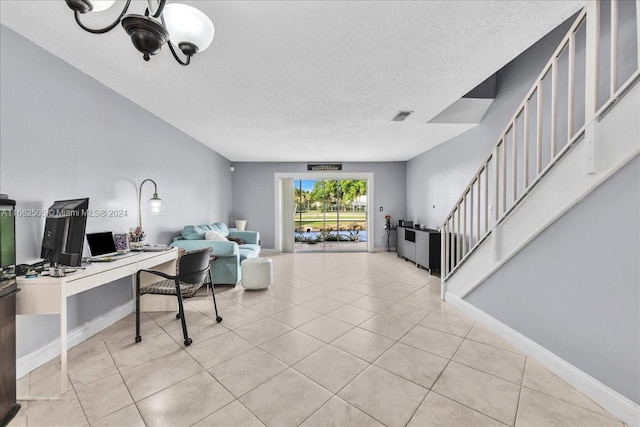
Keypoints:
(175, 239)
(220, 248)
(252, 237)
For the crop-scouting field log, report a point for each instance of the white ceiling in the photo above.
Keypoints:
(307, 80)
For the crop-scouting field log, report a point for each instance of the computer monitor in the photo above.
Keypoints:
(64, 228)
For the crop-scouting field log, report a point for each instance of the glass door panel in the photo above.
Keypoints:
(330, 215)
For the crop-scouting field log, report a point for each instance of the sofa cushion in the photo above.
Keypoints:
(220, 227)
(193, 232)
(247, 254)
(251, 247)
(214, 235)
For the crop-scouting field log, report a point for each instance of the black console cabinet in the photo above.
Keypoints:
(8, 405)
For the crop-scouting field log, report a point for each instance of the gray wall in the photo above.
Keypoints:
(436, 178)
(575, 289)
(253, 194)
(65, 135)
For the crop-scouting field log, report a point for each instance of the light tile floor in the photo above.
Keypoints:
(339, 339)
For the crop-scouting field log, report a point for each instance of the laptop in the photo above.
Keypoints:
(103, 247)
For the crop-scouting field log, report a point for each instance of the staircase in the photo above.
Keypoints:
(577, 127)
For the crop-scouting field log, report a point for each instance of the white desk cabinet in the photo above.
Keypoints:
(48, 295)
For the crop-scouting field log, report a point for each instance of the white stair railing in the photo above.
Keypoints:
(596, 62)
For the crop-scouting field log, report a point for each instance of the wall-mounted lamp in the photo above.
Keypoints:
(155, 205)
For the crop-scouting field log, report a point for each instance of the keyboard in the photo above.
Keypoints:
(157, 248)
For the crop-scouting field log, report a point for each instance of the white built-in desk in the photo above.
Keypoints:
(48, 295)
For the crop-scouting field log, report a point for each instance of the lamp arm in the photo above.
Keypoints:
(177, 58)
(107, 28)
(155, 192)
(158, 11)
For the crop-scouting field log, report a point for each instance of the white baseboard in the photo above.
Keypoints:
(612, 401)
(39, 357)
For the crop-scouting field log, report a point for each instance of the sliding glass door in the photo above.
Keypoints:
(330, 215)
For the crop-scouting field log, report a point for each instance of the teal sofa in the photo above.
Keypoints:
(225, 269)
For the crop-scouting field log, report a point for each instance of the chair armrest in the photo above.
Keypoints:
(251, 237)
(220, 248)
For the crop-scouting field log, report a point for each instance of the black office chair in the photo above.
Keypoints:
(192, 271)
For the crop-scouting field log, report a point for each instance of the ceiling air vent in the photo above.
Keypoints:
(401, 116)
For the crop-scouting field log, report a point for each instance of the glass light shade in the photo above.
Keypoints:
(155, 206)
(188, 24)
(100, 5)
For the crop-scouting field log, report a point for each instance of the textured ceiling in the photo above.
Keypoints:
(307, 80)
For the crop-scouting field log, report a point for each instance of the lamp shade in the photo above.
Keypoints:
(100, 5)
(187, 24)
(155, 205)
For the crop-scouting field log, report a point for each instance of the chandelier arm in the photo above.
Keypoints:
(105, 29)
(159, 10)
(177, 58)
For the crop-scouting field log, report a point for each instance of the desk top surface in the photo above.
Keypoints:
(97, 268)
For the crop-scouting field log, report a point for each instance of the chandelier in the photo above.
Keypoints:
(175, 24)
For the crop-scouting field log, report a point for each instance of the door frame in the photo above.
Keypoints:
(278, 177)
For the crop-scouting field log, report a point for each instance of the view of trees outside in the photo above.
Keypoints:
(330, 210)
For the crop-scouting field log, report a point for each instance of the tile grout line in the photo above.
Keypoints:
(124, 383)
(342, 388)
(429, 391)
(441, 372)
(184, 349)
(454, 400)
(515, 417)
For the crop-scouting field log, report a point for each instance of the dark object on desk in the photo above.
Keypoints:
(103, 248)
(64, 228)
(8, 405)
(101, 243)
(22, 269)
(192, 272)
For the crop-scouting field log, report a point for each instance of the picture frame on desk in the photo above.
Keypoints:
(122, 241)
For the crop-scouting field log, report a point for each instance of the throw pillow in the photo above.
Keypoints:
(214, 235)
(235, 239)
(191, 232)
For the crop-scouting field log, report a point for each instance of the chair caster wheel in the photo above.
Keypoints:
(218, 319)
(138, 339)
(177, 315)
(188, 342)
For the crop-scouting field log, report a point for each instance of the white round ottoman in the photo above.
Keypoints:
(257, 273)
